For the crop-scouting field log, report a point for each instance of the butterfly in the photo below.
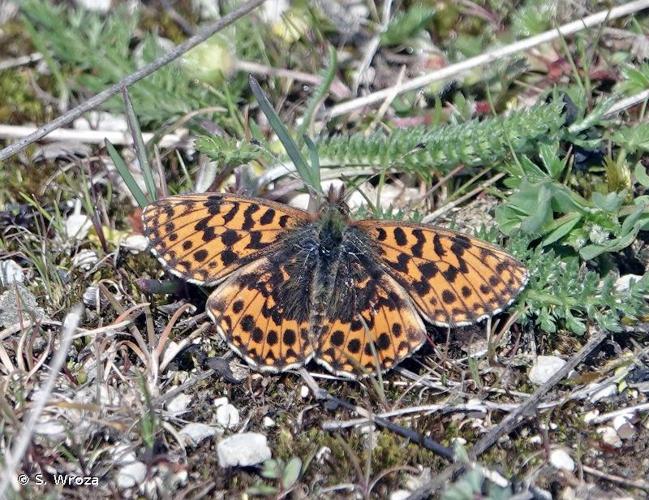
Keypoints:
(353, 295)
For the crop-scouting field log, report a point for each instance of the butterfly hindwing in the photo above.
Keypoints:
(261, 311)
(452, 278)
(382, 329)
(204, 237)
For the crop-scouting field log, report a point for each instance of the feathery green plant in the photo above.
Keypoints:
(428, 151)
(404, 25)
(90, 52)
(562, 293)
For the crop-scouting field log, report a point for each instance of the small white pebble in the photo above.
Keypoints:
(179, 404)
(196, 432)
(544, 368)
(220, 401)
(135, 243)
(227, 416)
(623, 283)
(536, 439)
(561, 460)
(589, 416)
(122, 454)
(610, 437)
(10, 272)
(322, 454)
(304, 392)
(77, 226)
(268, 422)
(245, 449)
(623, 426)
(400, 494)
(131, 475)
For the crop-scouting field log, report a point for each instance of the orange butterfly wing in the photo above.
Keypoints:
(453, 279)
(381, 330)
(262, 312)
(204, 237)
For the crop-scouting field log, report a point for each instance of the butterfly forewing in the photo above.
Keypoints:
(204, 237)
(452, 278)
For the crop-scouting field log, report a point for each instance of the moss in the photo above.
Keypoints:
(19, 105)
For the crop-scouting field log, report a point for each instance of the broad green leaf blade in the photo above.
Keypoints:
(291, 472)
(640, 173)
(563, 226)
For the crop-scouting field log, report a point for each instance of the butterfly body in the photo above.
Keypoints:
(293, 286)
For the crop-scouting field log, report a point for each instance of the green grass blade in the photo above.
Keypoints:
(138, 142)
(307, 174)
(320, 94)
(315, 159)
(126, 175)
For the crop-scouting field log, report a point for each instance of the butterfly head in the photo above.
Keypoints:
(333, 219)
(335, 204)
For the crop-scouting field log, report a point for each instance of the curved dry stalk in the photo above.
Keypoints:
(13, 458)
(488, 57)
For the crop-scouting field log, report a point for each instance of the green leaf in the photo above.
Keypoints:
(630, 222)
(610, 202)
(553, 164)
(291, 472)
(138, 142)
(404, 25)
(615, 245)
(126, 175)
(537, 218)
(562, 227)
(574, 325)
(272, 469)
(636, 79)
(635, 138)
(315, 159)
(640, 173)
(292, 150)
(262, 490)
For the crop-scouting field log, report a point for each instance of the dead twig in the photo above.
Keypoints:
(410, 434)
(633, 483)
(103, 96)
(489, 57)
(24, 438)
(513, 420)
